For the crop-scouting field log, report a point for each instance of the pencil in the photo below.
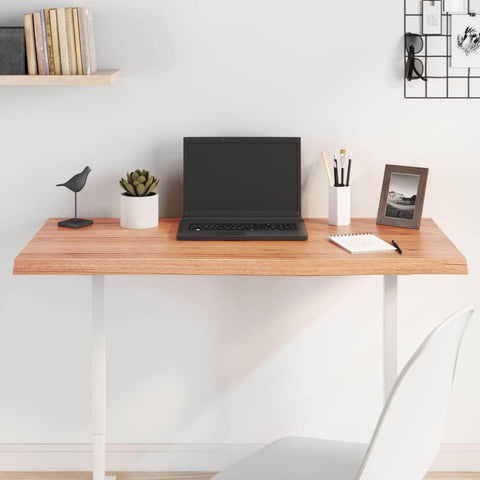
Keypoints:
(348, 171)
(335, 172)
(329, 175)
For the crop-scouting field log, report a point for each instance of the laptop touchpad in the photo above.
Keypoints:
(224, 233)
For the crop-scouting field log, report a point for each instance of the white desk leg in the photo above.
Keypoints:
(390, 332)
(98, 377)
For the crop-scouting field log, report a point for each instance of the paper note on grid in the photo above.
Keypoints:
(361, 243)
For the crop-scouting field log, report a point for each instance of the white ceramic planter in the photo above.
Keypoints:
(339, 206)
(138, 212)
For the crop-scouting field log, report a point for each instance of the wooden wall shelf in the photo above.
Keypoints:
(101, 77)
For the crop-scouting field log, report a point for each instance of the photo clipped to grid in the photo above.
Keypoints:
(442, 49)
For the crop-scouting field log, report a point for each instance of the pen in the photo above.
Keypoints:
(395, 244)
(335, 169)
(348, 171)
(329, 175)
(339, 167)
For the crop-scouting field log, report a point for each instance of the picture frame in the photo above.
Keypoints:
(402, 196)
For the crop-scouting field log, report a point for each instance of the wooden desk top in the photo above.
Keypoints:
(107, 249)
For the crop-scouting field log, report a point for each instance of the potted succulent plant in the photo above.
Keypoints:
(139, 202)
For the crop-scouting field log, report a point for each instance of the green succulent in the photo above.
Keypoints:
(139, 183)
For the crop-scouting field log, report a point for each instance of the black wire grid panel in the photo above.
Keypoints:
(443, 80)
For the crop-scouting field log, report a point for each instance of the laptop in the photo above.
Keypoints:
(242, 189)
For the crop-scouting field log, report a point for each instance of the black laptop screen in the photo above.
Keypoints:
(245, 177)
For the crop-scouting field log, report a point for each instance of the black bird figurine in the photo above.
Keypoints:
(76, 184)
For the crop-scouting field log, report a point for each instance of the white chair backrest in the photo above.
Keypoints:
(409, 431)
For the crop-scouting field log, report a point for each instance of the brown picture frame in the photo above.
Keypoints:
(399, 206)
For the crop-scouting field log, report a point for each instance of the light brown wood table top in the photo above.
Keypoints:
(107, 249)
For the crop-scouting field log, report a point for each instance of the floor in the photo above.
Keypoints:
(183, 476)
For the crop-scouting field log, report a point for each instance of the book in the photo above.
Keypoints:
(60, 41)
(12, 51)
(30, 44)
(84, 47)
(78, 48)
(91, 41)
(55, 42)
(72, 55)
(361, 243)
(48, 32)
(37, 23)
(44, 40)
(63, 41)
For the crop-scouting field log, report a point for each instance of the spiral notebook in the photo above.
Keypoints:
(361, 243)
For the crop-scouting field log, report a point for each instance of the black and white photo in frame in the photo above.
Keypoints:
(402, 197)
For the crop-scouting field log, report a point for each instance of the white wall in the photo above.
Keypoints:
(242, 360)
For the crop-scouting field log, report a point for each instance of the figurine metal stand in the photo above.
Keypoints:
(75, 222)
(76, 184)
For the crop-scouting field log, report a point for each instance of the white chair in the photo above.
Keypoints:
(406, 439)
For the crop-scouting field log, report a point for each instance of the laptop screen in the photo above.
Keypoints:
(242, 177)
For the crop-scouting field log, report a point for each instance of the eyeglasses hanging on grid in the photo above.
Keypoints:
(414, 67)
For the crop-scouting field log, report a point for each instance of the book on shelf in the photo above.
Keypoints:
(84, 44)
(37, 26)
(63, 40)
(72, 56)
(12, 51)
(44, 41)
(55, 42)
(30, 44)
(76, 31)
(91, 40)
(48, 30)
(60, 41)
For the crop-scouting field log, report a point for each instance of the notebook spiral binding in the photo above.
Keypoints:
(351, 234)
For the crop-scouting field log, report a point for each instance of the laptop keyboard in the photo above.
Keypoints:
(252, 227)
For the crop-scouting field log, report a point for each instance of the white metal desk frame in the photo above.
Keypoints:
(390, 323)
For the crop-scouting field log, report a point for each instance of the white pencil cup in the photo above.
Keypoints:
(339, 206)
